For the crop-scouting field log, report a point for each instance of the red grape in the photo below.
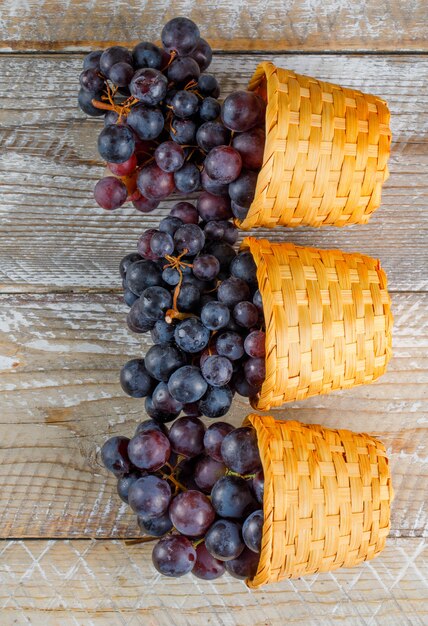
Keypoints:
(110, 193)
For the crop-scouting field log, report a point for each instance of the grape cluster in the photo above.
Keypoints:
(198, 489)
(200, 301)
(165, 130)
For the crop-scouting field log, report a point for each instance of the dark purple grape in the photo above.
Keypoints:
(163, 401)
(191, 513)
(116, 143)
(85, 103)
(230, 234)
(151, 424)
(182, 70)
(186, 212)
(246, 314)
(170, 224)
(136, 319)
(191, 409)
(187, 436)
(162, 361)
(188, 178)
(174, 556)
(211, 135)
(213, 439)
(231, 497)
(169, 156)
(206, 267)
(189, 237)
(257, 300)
(186, 384)
(224, 253)
(129, 298)
(240, 212)
(208, 86)
(185, 472)
(135, 379)
(255, 372)
(216, 402)
(215, 315)
(147, 123)
(250, 146)
(185, 104)
(149, 86)
(212, 186)
(241, 111)
(191, 335)
(124, 483)
(233, 290)
(144, 205)
(240, 451)
(183, 131)
(206, 566)
(154, 183)
(149, 450)
(149, 496)
(244, 267)
(230, 345)
(202, 54)
(143, 245)
(114, 455)
(242, 189)
(217, 370)
(259, 486)
(146, 54)
(255, 344)
(211, 207)
(209, 109)
(207, 472)
(223, 164)
(163, 244)
(180, 35)
(171, 276)
(155, 526)
(223, 540)
(188, 298)
(244, 566)
(113, 55)
(110, 193)
(142, 274)
(121, 74)
(92, 60)
(158, 416)
(90, 80)
(154, 302)
(163, 333)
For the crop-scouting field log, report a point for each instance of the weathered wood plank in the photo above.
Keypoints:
(276, 25)
(60, 357)
(53, 234)
(109, 583)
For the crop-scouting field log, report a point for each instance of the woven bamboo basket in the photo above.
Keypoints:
(328, 320)
(325, 155)
(326, 501)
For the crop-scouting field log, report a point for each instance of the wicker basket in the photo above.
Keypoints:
(328, 320)
(325, 156)
(326, 502)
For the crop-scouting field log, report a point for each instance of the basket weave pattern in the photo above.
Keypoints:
(328, 320)
(326, 501)
(325, 156)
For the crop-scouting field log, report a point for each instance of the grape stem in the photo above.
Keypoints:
(176, 263)
(121, 109)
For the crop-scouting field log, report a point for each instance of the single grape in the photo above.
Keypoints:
(147, 123)
(191, 335)
(208, 86)
(241, 111)
(144, 204)
(189, 237)
(259, 486)
(242, 189)
(213, 439)
(121, 74)
(85, 103)
(136, 319)
(150, 495)
(224, 253)
(163, 401)
(180, 35)
(124, 483)
(215, 315)
(214, 229)
(155, 526)
(154, 183)
(158, 416)
(206, 566)
(188, 178)
(244, 566)
(163, 333)
(162, 361)
(110, 193)
(191, 513)
(240, 212)
(240, 451)
(202, 54)
(255, 344)
(189, 298)
(163, 244)
(170, 224)
(206, 267)
(149, 86)
(149, 450)
(183, 132)
(142, 274)
(129, 297)
(233, 290)
(186, 212)
(146, 54)
(246, 314)
(114, 455)
(211, 135)
(116, 143)
(212, 186)
(230, 232)
(244, 267)
(123, 169)
(223, 164)
(186, 384)
(223, 540)
(112, 55)
(211, 207)
(182, 70)
(207, 472)
(169, 156)
(231, 497)
(143, 245)
(171, 276)
(257, 300)
(216, 402)
(187, 436)
(217, 370)
(90, 80)
(174, 556)
(154, 302)
(250, 146)
(209, 109)
(135, 379)
(230, 345)
(255, 372)
(184, 104)
(92, 60)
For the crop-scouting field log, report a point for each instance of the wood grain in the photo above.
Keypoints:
(53, 236)
(60, 357)
(238, 25)
(107, 583)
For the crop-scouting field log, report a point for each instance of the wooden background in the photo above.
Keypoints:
(63, 337)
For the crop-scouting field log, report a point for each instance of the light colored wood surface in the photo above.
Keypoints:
(55, 237)
(229, 25)
(82, 583)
